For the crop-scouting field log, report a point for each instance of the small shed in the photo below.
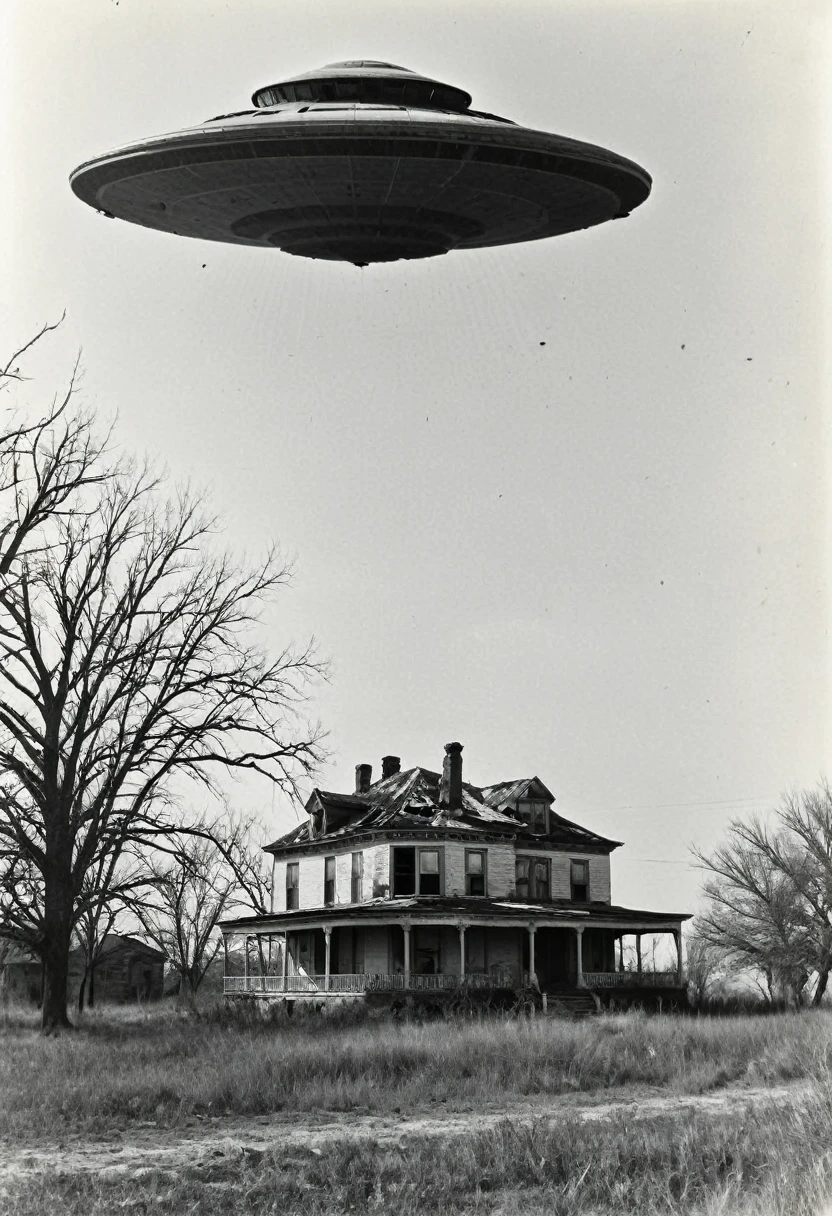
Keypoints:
(127, 969)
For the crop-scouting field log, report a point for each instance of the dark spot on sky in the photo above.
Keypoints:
(683, 346)
(542, 343)
(748, 360)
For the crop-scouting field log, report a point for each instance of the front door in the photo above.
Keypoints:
(556, 958)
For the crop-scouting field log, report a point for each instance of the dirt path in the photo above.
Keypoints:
(149, 1147)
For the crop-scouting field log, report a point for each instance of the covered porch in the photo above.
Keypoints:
(412, 947)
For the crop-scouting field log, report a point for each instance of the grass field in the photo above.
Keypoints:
(127, 1069)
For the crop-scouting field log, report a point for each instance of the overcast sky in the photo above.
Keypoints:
(605, 559)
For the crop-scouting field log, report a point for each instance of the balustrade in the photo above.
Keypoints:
(631, 979)
(351, 984)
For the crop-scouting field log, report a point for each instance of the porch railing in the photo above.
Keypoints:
(631, 979)
(351, 984)
(346, 985)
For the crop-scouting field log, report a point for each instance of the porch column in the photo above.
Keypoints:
(677, 937)
(638, 953)
(532, 967)
(245, 962)
(327, 955)
(579, 935)
(621, 952)
(285, 957)
(462, 952)
(224, 955)
(406, 932)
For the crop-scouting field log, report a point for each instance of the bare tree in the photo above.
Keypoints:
(182, 905)
(44, 465)
(126, 662)
(242, 846)
(104, 899)
(757, 913)
(703, 962)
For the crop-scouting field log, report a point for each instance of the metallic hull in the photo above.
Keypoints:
(362, 183)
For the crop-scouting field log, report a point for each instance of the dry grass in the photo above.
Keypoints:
(131, 1066)
(777, 1164)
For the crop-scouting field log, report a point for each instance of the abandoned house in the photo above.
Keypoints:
(420, 883)
(126, 969)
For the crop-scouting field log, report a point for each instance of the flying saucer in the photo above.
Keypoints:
(362, 162)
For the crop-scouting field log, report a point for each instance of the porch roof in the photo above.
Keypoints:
(454, 909)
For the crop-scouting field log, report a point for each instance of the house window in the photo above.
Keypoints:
(429, 874)
(329, 880)
(533, 813)
(292, 885)
(417, 871)
(580, 881)
(475, 872)
(357, 878)
(532, 878)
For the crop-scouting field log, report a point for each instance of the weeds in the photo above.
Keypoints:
(777, 1164)
(124, 1067)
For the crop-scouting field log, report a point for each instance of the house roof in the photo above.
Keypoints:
(410, 801)
(506, 792)
(113, 942)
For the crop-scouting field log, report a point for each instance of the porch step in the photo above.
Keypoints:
(570, 1002)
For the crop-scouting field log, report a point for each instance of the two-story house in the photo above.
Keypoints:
(420, 882)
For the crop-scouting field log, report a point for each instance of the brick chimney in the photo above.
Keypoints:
(450, 788)
(390, 765)
(363, 777)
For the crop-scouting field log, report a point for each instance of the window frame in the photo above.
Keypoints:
(418, 850)
(533, 859)
(329, 883)
(528, 811)
(483, 853)
(579, 861)
(293, 870)
(357, 876)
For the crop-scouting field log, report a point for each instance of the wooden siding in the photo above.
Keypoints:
(376, 881)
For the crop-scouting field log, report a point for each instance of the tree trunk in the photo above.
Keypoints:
(81, 989)
(57, 939)
(91, 997)
(820, 987)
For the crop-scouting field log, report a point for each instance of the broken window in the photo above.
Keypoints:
(533, 813)
(357, 878)
(329, 880)
(532, 878)
(580, 881)
(404, 872)
(292, 885)
(417, 871)
(475, 872)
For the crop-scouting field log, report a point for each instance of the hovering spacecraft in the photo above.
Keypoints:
(362, 162)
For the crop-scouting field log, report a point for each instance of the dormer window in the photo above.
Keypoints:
(533, 812)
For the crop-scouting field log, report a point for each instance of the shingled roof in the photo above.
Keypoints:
(411, 801)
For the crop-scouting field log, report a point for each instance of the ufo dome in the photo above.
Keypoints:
(362, 161)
